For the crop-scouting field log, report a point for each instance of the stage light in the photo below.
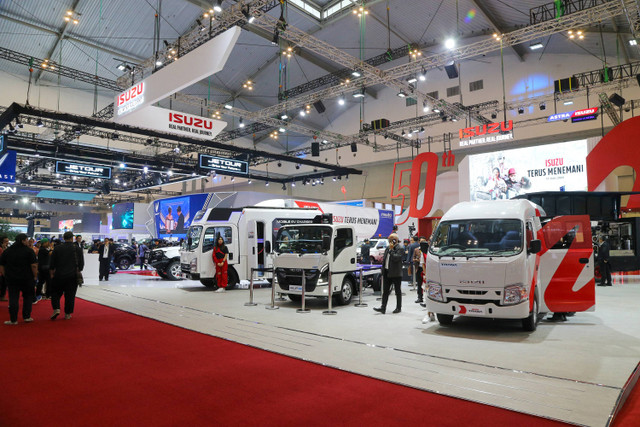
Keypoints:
(536, 46)
(402, 94)
(341, 101)
(284, 117)
(425, 107)
(450, 43)
(241, 122)
(218, 6)
(356, 73)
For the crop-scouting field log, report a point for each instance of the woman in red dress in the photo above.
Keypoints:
(220, 255)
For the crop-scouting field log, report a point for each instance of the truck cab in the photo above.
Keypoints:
(495, 259)
(313, 249)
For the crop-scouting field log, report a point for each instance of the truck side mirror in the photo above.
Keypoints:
(326, 243)
(535, 246)
(267, 247)
(424, 247)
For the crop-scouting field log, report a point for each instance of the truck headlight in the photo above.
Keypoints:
(515, 294)
(193, 267)
(434, 291)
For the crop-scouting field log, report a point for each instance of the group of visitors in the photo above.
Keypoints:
(42, 272)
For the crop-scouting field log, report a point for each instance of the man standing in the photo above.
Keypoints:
(418, 265)
(409, 258)
(20, 268)
(105, 253)
(603, 261)
(66, 261)
(142, 251)
(365, 252)
(43, 270)
(392, 274)
(4, 242)
(79, 241)
(180, 224)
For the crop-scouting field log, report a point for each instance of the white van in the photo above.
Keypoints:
(497, 259)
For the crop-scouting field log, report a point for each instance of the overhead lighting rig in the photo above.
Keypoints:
(72, 16)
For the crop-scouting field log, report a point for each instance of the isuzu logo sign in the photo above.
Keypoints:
(85, 170)
(492, 132)
(189, 123)
(220, 164)
(130, 98)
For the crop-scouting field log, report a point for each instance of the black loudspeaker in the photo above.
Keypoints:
(320, 108)
(606, 75)
(617, 100)
(379, 124)
(354, 147)
(638, 78)
(452, 71)
(315, 149)
(566, 85)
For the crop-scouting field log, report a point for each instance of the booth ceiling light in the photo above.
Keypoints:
(356, 73)
(536, 46)
(241, 122)
(568, 102)
(450, 43)
(218, 6)
(247, 14)
(633, 42)
(284, 117)
(412, 79)
(228, 106)
(402, 94)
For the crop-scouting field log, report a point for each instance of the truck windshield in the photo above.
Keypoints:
(478, 237)
(301, 240)
(193, 237)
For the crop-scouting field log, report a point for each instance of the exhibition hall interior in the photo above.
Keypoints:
(320, 212)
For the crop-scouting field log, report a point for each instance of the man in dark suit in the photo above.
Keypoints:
(79, 241)
(19, 266)
(105, 253)
(392, 273)
(180, 223)
(603, 261)
(66, 261)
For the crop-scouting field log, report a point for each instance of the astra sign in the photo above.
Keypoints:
(493, 132)
(130, 99)
(575, 116)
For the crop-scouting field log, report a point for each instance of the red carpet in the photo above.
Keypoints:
(107, 367)
(139, 272)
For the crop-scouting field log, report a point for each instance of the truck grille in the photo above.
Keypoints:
(293, 276)
(185, 267)
(474, 301)
(472, 292)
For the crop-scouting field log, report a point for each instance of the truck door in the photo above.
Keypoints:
(255, 237)
(344, 255)
(566, 265)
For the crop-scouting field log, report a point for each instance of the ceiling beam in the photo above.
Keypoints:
(487, 14)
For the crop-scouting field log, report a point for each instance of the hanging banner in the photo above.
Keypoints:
(486, 134)
(83, 170)
(220, 164)
(8, 167)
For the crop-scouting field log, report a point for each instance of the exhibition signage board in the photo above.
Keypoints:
(575, 116)
(196, 65)
(509, 173)
(179, 123)
(487, 133)
(173, 216)
(83, 169)
(220, 164)
(8, 167)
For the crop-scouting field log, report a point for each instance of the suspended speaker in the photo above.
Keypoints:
(315, 149)
(617, 100)
(452, 71)
(354, 147)
(319, 107)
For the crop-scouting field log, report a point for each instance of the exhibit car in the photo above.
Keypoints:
(503, 259)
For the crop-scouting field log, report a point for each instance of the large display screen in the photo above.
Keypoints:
(68, 224)
(173, 216)
(83, 169)
(122, 216)
(509, 173)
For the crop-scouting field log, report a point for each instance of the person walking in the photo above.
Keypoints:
(142, 250)
(419, 269)
(603, 262)
(19, 266)
(44, 284)
(105, 253)
(365, 252)
(220, 255)
(4, 243)
(392, 274)
(66, 261)
(409, 259)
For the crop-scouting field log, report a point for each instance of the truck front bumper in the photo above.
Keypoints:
(516, 311)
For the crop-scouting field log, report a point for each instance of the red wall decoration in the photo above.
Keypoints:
(415, 168)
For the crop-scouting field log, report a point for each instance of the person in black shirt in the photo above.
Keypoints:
(20, 268)
(392, 274)
(43, 269)
(365, 252)
(105, 253)
(180, 224)
(66, 261)
(4, 243)
(603, 261)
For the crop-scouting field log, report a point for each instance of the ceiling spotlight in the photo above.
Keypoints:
(170, 172)
(11, 128)
(121, 67)
(536, 46)
(422, 76)
(520, 110)
(122, 165)
(233, 178)
(266, 184)
(282, 130)
(497, 36)
(425, 107)
(248, 16)
(303, 113)
(450, 43)
(145, 169)
(422, 129)
(241, 122)
(436, 110)
(293, 183)
(359, 94)
(412, 79)
(115, 135)
(117, 181)
(158, 63)
(276, 38)
(39, 123)
(19, 124)
(402, 94)
(403, 132)
(568, 102)
(356, 73)
(297, 165)
(494, 114)
(279, 164)
(284, 187)
(249, 181)
(228, 106)
(633, 42)
(218, 6)
(284, 117)
(341, 101)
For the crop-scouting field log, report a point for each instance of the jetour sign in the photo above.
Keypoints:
(220, 164)
(82, 169)
(130, 98)
(492, 132)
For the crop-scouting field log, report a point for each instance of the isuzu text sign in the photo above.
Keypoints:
(188, 124)
(575, 116)
(82, 169)
(492, 132)
(130, 99)
(220, 164)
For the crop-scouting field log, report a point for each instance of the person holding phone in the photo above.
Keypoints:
(392, 274)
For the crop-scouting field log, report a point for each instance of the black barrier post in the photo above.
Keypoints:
(330, 311)
(360, 303)
(303, 309)
(251, 303)
(273, 305)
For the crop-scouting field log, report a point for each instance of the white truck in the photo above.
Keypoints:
(498, 259)
(249, 234)
(166, 261)
(313, 250)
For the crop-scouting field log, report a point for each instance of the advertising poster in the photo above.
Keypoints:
(66, 225)
(173, 216)
(8, 167)
(122, 216)
(509, 173)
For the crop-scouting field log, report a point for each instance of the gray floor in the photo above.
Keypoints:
(572, 371)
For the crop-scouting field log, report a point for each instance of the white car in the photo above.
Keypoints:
(376, 252)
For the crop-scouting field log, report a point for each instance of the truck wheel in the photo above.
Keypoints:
(209, 283)
(530, 323)
(346, 292)
(124, 263)
(173, 271)
(445, 319)
(295, 298)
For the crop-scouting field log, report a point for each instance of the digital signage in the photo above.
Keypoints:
(509, 173)
(220, 164)
(8, 167)
(122, 214)
(173, 216)
(83, 169)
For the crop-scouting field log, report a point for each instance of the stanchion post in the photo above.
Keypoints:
(330, 311)
(303, 308)
(251, 303)
(360, 303)
(273, 294)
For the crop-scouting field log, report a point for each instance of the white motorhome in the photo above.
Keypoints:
(498, 259)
